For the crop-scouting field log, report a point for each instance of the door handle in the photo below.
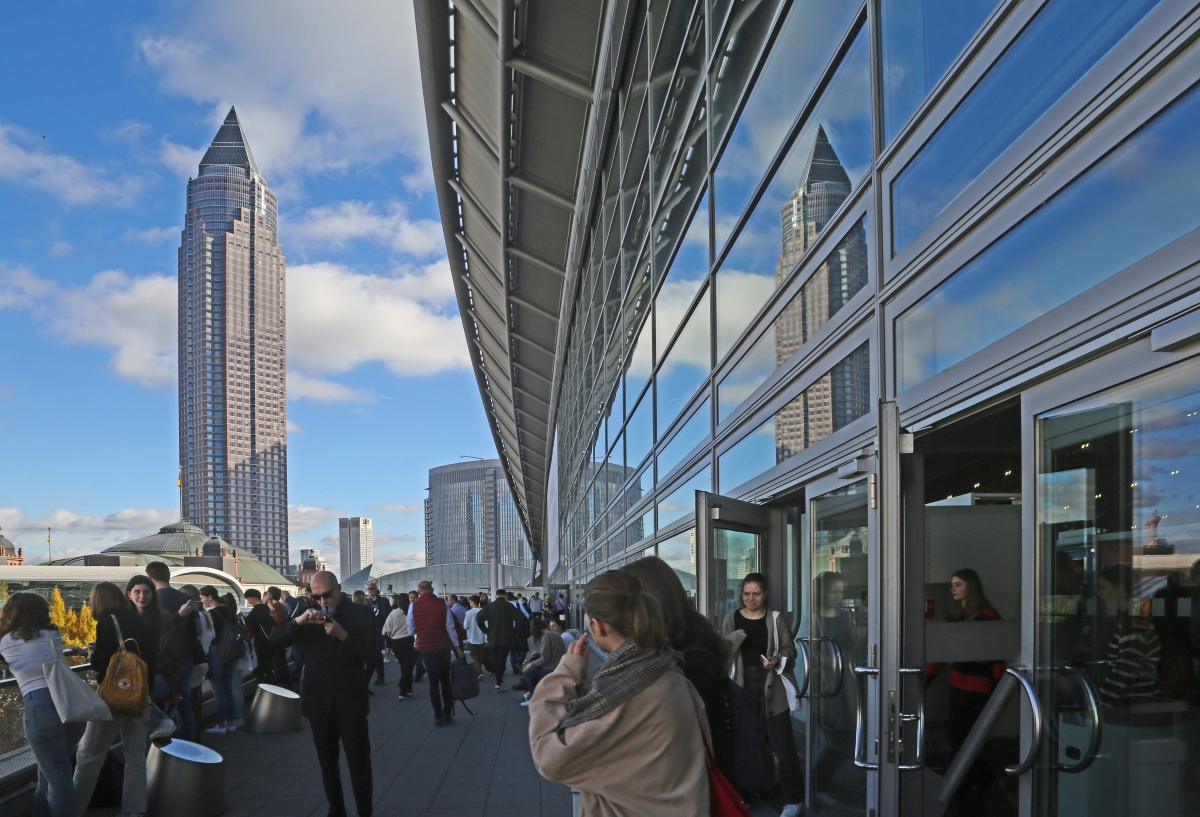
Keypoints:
(1035, 707)
(838, 669)
(918, 718)
(860, 725)
(1093, 705)
(802, 643)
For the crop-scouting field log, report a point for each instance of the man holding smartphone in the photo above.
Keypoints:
(338, 639)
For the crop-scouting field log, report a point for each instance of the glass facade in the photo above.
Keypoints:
(743, 305)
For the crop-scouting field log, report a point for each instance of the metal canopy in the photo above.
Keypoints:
(507, 88)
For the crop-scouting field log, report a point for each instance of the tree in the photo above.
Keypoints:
(58, 609)
(3, 592)
(80, 628)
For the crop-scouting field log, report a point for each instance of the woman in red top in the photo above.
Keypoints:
(971, 682)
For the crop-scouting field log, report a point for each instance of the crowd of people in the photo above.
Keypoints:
(655, 729)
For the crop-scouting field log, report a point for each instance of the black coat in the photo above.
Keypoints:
(498, 621)
(333, 669)
(133, 627)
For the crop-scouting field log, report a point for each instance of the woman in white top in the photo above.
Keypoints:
(401, 643)
(28, 640)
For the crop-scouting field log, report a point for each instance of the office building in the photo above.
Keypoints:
(942, 269)
(232, 353)
(356, 545)
(470, 516)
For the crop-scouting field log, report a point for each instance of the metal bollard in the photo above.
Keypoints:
(274, 709)
(184, 779)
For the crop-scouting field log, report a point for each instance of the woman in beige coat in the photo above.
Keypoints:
(632, 741)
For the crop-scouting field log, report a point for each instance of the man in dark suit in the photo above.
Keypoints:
(381, 608)
(338, 639)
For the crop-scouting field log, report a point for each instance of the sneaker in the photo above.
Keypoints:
(527, 696)
(500, 688)
(219, 729)
(449, 719)
(240, 723)
(480, 678)
(520, 685)
(231, 727)
(165, 729)
(404, 697)
(439, 721)
(792, 810)
(525, 703)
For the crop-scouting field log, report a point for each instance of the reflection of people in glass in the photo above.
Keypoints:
(834, 661)
(762, 652)
(971, 682)
(705, 654)
(1134, 649)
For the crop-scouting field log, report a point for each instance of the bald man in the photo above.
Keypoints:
(338, 639)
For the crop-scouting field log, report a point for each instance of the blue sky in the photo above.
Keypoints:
(104, 113)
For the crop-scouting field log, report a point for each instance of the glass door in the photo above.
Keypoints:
(1118, 603)
(732, 534)
(838, 632)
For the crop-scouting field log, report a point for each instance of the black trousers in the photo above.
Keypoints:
(351, 731)
(499, 658)
(279, 667)
(779, 734)
(441, 693)
(406, 657)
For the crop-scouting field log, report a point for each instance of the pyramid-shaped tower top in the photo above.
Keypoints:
(230, 146)
(823, 164)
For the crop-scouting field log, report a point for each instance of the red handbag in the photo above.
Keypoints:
(724, 800)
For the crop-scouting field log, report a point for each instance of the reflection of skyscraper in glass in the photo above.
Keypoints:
(823, 187)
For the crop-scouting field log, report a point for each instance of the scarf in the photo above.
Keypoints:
(627, 671)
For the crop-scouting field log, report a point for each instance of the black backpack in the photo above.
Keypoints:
(234, 641)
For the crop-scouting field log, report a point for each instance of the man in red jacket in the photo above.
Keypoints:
(430, 619)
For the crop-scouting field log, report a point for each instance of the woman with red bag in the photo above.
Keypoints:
(633, 741)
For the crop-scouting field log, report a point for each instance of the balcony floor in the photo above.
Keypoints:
(479, 766)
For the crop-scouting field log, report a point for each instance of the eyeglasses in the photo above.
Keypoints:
(328, 595)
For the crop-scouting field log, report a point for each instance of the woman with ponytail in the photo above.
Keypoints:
(633, 740)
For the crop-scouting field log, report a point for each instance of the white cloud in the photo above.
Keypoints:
(20, 288)
(152, 235)
(24, 160)
(303, 518)
(339, 319)
(61, 249)
(347, 222)
(76, 534)
(293, 428)
(392, 559)
(180, 158)
(134, 317)
(319, 85)
(399, 507)
(325, 391)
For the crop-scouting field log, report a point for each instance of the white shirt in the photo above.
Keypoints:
(535, 604)
(396, 625)
(25, 658)
(474, 634)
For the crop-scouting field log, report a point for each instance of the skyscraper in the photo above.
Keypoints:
(470, 516)
(232, 356)
(356, 545)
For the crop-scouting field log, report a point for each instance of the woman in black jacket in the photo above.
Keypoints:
(112, 612)
(705, 654)
(219, 675)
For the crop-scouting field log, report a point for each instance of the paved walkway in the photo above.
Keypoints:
(479, 766)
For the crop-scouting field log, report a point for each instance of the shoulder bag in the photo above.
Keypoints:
(74, 699)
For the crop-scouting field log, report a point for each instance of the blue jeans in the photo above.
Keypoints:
(185, 719)
(533, 675)
(51, 740)
(238, 701)
(221, 680)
